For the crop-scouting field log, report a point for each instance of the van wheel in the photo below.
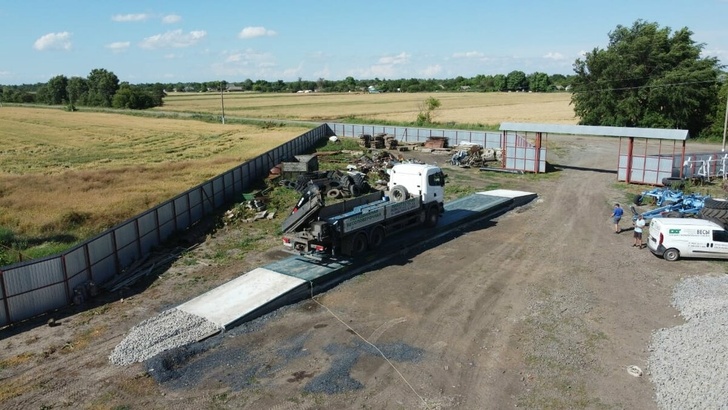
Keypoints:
(671, 255)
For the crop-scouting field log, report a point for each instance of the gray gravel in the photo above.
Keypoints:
(688, 364)
(170, 329)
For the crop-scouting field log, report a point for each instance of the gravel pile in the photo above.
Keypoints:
(168, 330)
(688, 364)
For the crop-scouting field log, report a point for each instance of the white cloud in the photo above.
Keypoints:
(554, 56)
(125, 18)
(5, 73)
(401, 58)
(171, 19)
(431, 71)
(54, 41)
(173, 39)
(118, 46)
(253, 32)
(248, 63)
(469, 54)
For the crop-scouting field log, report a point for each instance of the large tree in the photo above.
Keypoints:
(646, 77)
(102, 85)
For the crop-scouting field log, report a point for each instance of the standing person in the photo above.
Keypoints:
(638, 225)
(616, 216)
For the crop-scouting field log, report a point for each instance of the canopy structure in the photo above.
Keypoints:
(644, 164)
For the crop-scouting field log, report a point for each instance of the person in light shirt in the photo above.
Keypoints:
(638, 225)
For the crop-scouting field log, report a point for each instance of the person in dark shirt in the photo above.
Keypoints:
(616, 217)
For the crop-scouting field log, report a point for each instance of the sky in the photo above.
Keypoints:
(196, 41)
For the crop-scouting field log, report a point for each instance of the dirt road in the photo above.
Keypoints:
(544, 307)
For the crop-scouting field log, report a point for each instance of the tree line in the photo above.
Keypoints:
(100, 89)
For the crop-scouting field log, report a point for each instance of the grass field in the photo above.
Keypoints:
(65, 176)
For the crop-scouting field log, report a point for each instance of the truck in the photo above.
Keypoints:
(414, 197)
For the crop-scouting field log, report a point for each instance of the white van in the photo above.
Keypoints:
(674, 238)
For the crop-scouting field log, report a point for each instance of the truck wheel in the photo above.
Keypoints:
(671, 255)
(376, 237)
(398, 193)
(432, 216)
(358, 244)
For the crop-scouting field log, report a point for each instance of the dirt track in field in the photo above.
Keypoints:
(543, 307)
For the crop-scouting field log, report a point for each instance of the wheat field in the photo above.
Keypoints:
(463, 108)
(57, 167)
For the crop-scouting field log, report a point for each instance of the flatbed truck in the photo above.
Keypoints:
(414, 197)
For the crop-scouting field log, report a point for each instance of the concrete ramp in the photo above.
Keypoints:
(226, 304)
(292, 279)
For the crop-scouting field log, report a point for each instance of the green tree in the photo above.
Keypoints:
(102, 85)
(499, 82)
(539, 82)
(516, 81)
(77, 91)
(57, 89)
(647, 77)
(427, 110)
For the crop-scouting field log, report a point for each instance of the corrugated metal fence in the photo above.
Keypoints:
(34, 287)
(651, 169)
(518, 153)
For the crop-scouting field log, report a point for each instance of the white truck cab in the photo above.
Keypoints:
(425, 181)
(674, 238)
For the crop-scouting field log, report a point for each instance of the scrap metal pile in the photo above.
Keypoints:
(473, 155)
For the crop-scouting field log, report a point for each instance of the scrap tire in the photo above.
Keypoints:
(638, 200)
(333, 193)
(715, 203)
(673, 182)
(671, 255)
(713, 214)
(398, 193)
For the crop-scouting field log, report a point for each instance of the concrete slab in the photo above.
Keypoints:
(231, 301)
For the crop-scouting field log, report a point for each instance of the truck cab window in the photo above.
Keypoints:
(436, 179)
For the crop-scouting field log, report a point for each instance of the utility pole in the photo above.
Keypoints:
(222, 101)
(725, 122)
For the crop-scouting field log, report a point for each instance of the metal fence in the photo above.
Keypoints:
(35, 287)
(518, 153)
(651, 169)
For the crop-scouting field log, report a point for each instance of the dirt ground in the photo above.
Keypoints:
(543, 307)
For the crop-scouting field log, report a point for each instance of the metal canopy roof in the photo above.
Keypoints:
(602, 131)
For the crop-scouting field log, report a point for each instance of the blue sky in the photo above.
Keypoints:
(196, 41)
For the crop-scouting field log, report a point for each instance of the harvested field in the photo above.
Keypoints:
(463, 108)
